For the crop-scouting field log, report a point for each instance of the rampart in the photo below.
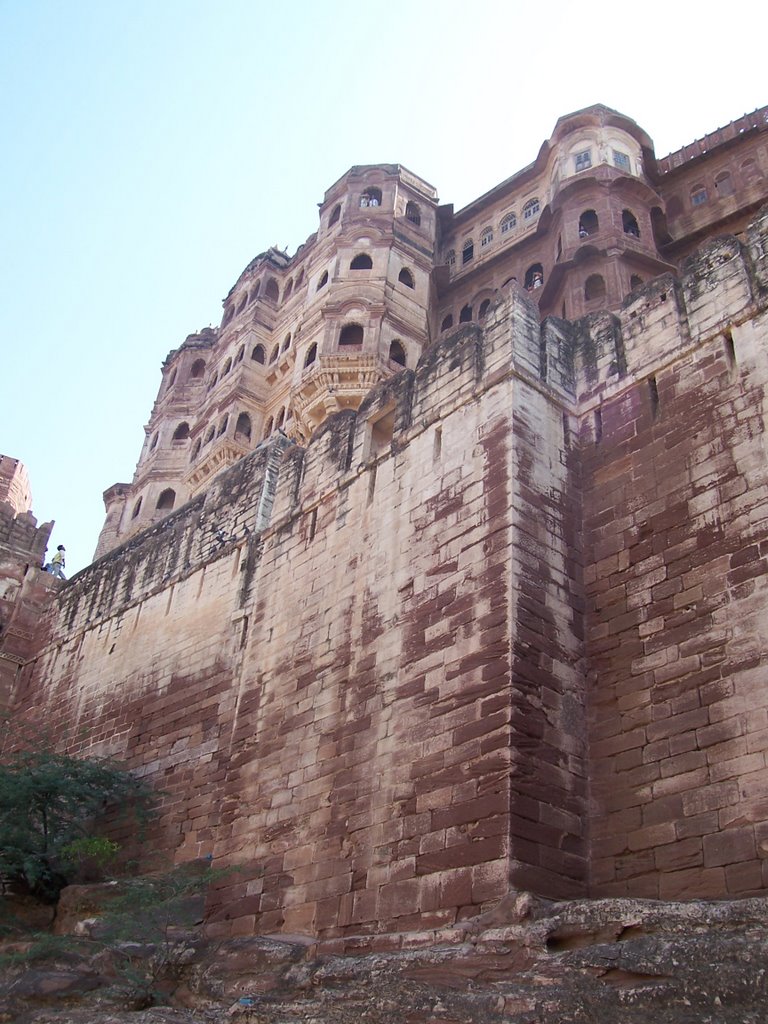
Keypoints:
(504, 627)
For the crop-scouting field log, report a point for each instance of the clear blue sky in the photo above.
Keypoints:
(151, 149)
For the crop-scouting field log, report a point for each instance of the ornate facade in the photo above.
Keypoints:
(389, 270)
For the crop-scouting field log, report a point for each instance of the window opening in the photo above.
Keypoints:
(274, 354)
(361, 262)
(198, 369)
(223, 425)
(240, 354)
(243, 427)
(450, 258)
(447, 322)
(508, 223)
(371, 197)
(465, 316)
(181, 433)
(351, 334)
(288, 289)
(272, 290)
(167, 499)
(268, 428)
(258, 354)
(534, 277)
(323, 281)
(698, 195)
(484, 307)
(136, 509)
(467, 251)
(724, 184)
(335, 215)
(286, 342)
(311, 355)
(583, 160)
(406, 277)
(629, 223)
(153, 443)
(397, 353)
(594, 287)
(588, 224)
(531, 209)
(227, 368)
(413, 213)
(635, 281)
(172, 380)
(487, 237)
(621, 160)
(598, 425)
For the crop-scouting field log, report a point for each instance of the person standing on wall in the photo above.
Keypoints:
(58, 563)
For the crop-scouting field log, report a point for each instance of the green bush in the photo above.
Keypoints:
(49, 806)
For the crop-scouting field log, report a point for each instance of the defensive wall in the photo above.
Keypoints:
(504, 627)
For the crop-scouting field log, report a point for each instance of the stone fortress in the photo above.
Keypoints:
(443, 570)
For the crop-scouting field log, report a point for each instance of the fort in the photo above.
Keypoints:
(443, 571)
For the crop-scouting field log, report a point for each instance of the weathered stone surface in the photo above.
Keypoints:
(612, 961)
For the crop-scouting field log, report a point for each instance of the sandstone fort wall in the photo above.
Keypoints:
(502, 627)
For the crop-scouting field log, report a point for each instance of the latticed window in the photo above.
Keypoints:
(531, 209)
(621, 160)
(467, 251)
(508, 223)
(583, 160)
(486, 238)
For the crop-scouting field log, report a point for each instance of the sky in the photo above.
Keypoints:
(152, 149)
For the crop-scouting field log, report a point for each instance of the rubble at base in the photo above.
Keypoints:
(613, 961)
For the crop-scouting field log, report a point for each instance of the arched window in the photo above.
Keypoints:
(335, 215)
(450, 258)
(288, 289)
(486, 237)
(167, 499)
(281, 418)
(300, 279)
(447, 322)
(136, 509)
(198, 369)
(588, 224)
(286, 342)
(255, 291)
(465, 316)
(258, 354)
(243, 303)
(351, 334)
(153, 444)
(274, 354)
(172, 379)
(214, 381)
(698, 195)
(243, 427)
(413, 213)
(484, 307)
(227, 368)
(594, 287)
(629, 223)
(531, 209)
(268, 427)
(181, 433)
(371, 197)
(209, 435)
(311, 355)
(195, 450)
(361, 262)
(508, 223)
(467, 251)
(272, 291)
(323, 281)
(229, 312)
(223, 426)
(724, 184)
(397, 353)
(635, 281)
(406, 277)
(534, 277)
(240, 354)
